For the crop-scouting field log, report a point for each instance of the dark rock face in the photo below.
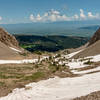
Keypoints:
(95, 37)
(7, 38)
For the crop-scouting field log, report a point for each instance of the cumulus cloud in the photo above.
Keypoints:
(76, 17)
(54, 15)
(82, 15)
(38, 18)
(54, 12)
(91, 16)
(32, 17)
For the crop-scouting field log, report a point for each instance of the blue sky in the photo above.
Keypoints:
(25, 11)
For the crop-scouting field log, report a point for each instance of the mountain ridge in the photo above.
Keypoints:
(7, 38)
(95, 37)
(9, 46)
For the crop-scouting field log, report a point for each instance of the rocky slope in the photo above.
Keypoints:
(7, 38)
(92, 50)
(6, 52)
(95, 37)
(9, 46)
(93, 47)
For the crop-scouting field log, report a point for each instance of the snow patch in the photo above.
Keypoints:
(22, 61)
(72, 54)
(15, 49)
(76, 65)
(18, 61)
(57, 88)
(95, 58)
(86, 71)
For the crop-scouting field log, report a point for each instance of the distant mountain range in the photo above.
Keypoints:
(94, 27)
(69, 28)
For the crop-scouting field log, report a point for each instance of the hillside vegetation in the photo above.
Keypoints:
(50, 43)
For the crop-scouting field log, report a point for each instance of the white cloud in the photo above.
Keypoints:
(38, 18)
(82, 15)
(76, 17)
(32, 18)
(54, 12)
(91, 16)
(54, 15)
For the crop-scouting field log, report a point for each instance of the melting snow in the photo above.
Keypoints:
(72, 54)
(86, 71)
(15, 49)
(76, 64)
(22, 61)
(18, 61)
(95, 58)
(58, 88)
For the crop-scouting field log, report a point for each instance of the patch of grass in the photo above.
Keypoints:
(35, 76)
(23, 54)
(38, 52)
(52, 68)
(2, 76)
(2, 83)
(27, 46)
(7, 76)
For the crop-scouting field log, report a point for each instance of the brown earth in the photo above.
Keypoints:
(92, 50)
(6, 52)
(95, 37)
(92, 96)
(8, 39)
